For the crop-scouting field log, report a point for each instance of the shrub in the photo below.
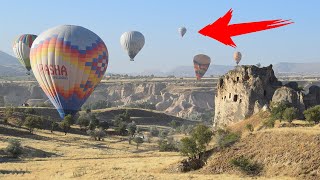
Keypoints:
(195, 146)
(104, 125)
(69, 119)
(163, 134)
(278, 109)
(153, 130)
(249, 127)
(54, 126)
(246, 165)
(14, 148)
(121, 129)
(312, 114)
(224, 138)
(83, 121)
(100, 134)
(138, 140)
(202, 135)
(30, 111)
(8, 112)
(132, 127)
(65, 125)
(32, 122)
(189, 129)
(167, 146)
(269, 123)
(290, 114)
(188, 147)
(174, 124)
(94, 121)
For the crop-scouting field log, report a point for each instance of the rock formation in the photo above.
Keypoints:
(178, 99)
(242, 92)
(248, 89)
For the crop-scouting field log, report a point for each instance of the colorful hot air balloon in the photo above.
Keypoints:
(237, 57)
(21, 48)
(132, 42)
(182, 31)
(201, 64)
(68, 62)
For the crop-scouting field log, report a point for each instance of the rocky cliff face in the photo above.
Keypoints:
(178, 99)
(242, 92)
(171, 98)
(247, 89)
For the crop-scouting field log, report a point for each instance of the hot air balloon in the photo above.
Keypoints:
(21, 48)
(237, 57)
(201, 64)
(132, 42)
(68, 62)
(182, 31)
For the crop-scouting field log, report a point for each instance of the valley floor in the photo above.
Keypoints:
(71, 156)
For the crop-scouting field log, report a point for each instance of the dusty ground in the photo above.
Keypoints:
(281, 151)
(56, 156)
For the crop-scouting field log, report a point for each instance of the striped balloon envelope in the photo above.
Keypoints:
(68, 62)
(201, 64)
(21, 48)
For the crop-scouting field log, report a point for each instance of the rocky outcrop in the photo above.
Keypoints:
(290, 96)
(171, 98)
(178, 99)
(242, 92)
(313, 97)
(247, 90)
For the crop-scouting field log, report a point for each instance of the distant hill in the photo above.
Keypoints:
(10, 66)
(218, 70)
(301, 68)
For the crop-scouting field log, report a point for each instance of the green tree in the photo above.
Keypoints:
(195, 146)
(100, 133)
(202, 135)
(225, 138)
(312, 114)
(32, 122)
(104, 125)
(132, 127)
(30, 111)
(138, 140)
(188, 147)
(14, 148)
(278, 109)
(290, 114)
(153, 130)
(65, 125)
(174, 124)
(54, 126)
(83, 121)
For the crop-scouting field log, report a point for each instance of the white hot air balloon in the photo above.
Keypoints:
(237, 57)
(132, 42)
(182, 31)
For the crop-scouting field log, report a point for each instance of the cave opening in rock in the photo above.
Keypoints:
(235, 98)
(229, 95)
(240, 100)
(237, 79)
(221, 82)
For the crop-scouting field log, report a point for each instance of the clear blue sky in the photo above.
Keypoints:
(159, 21)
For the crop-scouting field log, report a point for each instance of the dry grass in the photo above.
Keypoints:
(75, 157)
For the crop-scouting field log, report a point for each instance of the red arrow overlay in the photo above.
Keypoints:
(221, 31)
